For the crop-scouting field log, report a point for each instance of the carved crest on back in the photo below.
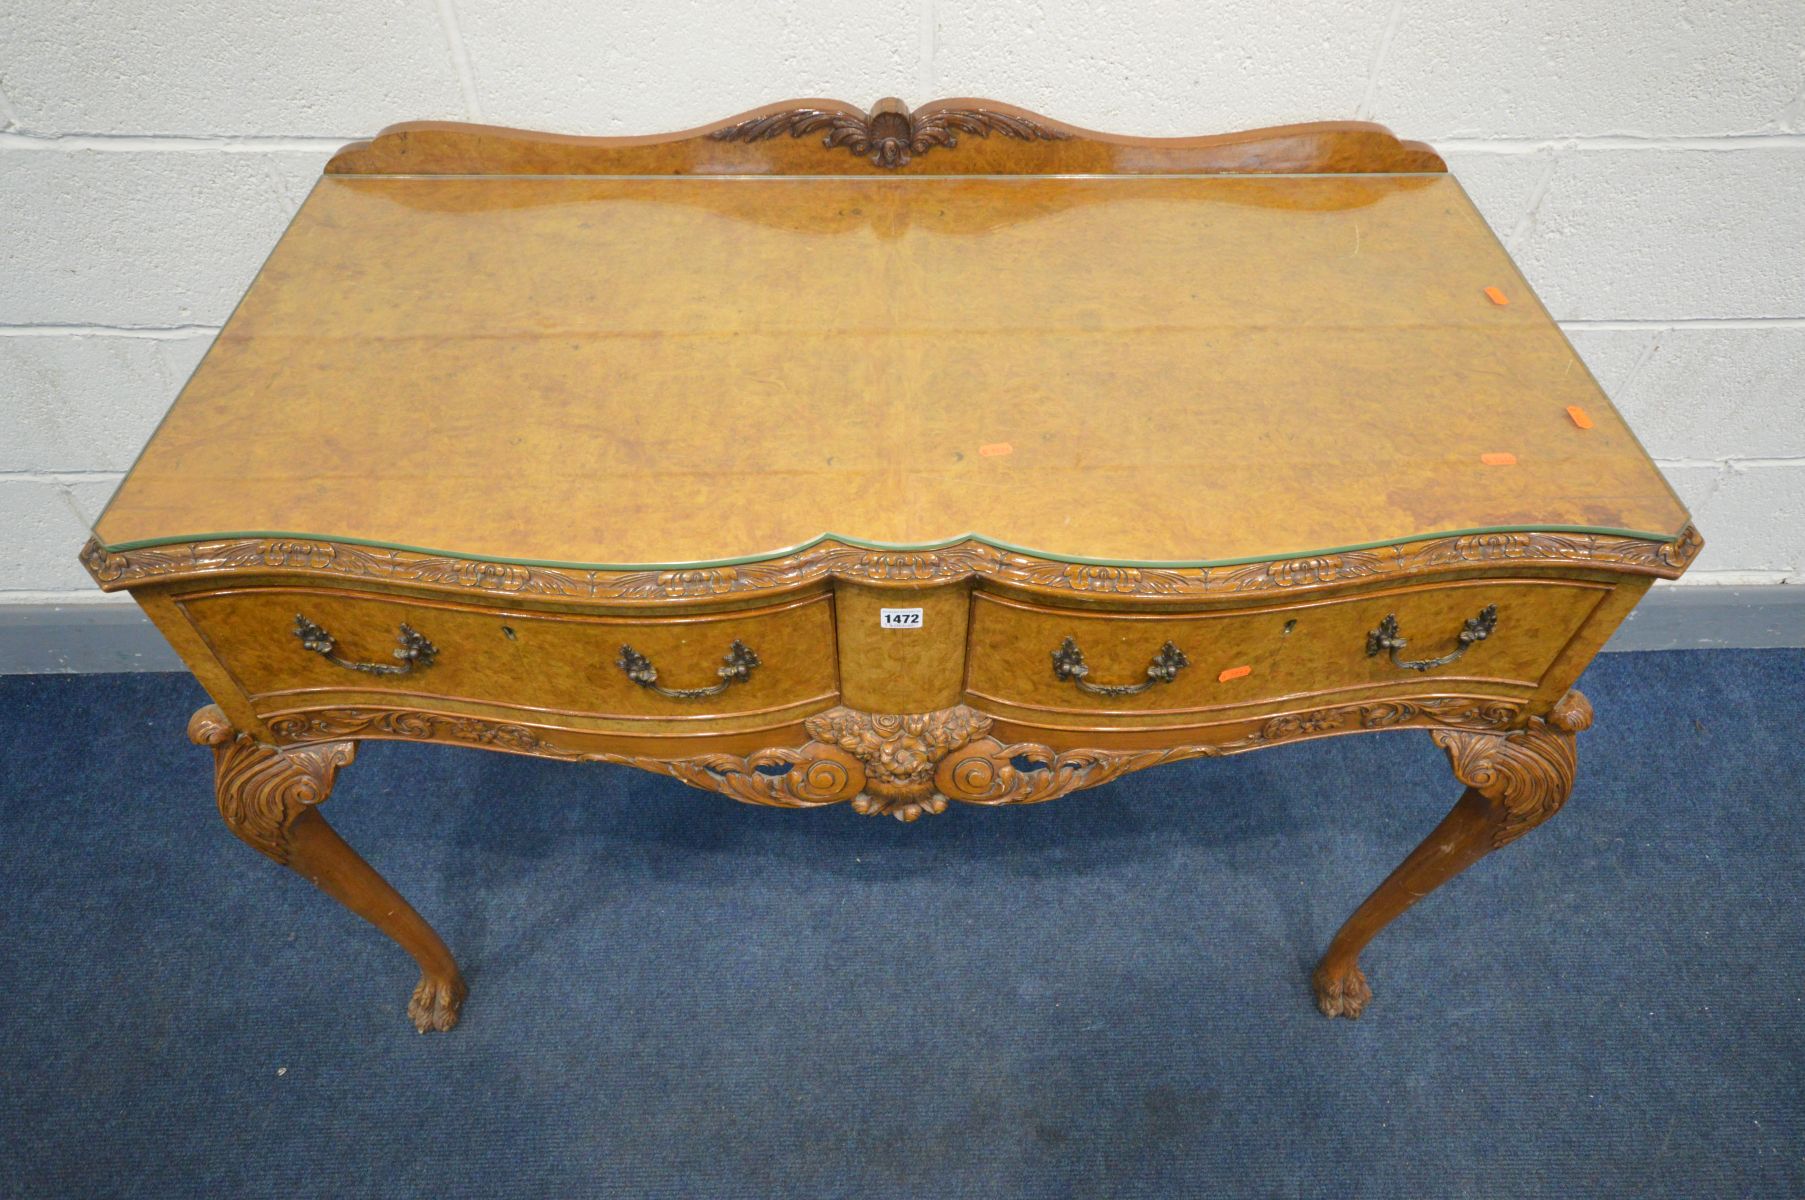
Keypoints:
(890, 134)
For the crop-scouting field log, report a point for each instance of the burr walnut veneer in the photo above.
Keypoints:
(887, 457)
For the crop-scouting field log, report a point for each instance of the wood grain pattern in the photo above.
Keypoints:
(1243, 341)
(1270, 652)
(967, 135)
(552, 662)
(901, 670)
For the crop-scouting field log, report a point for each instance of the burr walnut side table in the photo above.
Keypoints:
(890, 457)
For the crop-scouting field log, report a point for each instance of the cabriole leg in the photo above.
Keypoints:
(267, 796)
(1515, 781)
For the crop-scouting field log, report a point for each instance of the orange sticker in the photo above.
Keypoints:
(1496, 296)
(1234, 673)
(996, 449)
(1579, 416)
(1498, 460)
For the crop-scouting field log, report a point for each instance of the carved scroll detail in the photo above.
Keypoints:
(882, 762)
(890, 134)
(1678, 553)
(1529, 772)
(816, 775)
(988, 772)
(262, 789)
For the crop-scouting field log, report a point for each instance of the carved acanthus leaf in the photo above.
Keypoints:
(262, 789)
(1528, 772)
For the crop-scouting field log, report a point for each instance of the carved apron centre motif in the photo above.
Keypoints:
(899, 753)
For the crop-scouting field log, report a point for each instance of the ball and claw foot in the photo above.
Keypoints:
(1342, 993)
(436, 1003)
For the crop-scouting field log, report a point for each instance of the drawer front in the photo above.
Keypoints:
(555, 663)
(1251, 656)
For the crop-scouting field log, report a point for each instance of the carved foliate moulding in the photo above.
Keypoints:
(412, 725)
(302, 556)
(114, 569)
(900, 764)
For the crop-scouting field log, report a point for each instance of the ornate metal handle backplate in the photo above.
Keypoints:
(736, 667)
(412, 651)
(1385, 638)
(1069, 664)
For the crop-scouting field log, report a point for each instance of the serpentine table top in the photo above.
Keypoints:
(1186, 369)
(818, 352)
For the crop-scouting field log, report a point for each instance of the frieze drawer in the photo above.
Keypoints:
(289, 647)
(1500, 635)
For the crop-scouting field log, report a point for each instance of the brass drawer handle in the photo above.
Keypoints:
(1069, 664)
(412, 650)
(1385, 637)
(736, 667)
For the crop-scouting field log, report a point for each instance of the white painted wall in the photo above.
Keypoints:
(1643, 159)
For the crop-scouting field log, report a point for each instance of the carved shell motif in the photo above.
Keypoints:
(889, 135)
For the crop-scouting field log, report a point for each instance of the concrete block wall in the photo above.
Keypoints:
(1645, 164)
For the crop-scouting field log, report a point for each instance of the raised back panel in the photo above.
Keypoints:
(831, 137)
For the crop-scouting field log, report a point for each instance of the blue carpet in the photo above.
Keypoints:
(675, 995)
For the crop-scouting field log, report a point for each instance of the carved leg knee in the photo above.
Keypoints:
(267, 796)
(1515, 781)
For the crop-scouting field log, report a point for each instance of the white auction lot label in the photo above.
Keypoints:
(899, 618)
